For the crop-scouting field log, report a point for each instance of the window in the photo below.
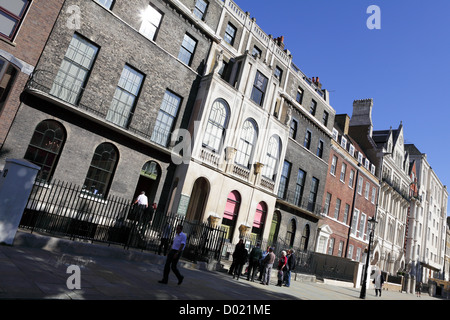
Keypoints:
(272, 157)
(313, 107)
(247, 143)
(166, 118)
(74, 70)
(259, 220)
(187, 49)
(360, 185)
(330, 246)
(200, 8)
(230, 34)
(344, 142)
(313, 194)
(352, 176)
(333, 165)
(367, 190)
(319, 152)
(299, 187)
(8, 73)
(346, 212)
(293, 129)
(284, 180)
(354, 222)
(45, 147)
(106, 3)
(335, 134)
(125, 97)
(256, 52)
(351, 150)
(278, 73)
(327, 204)
(343, 169)
(362, 223)
(299, 97)
(325, 118)
(101, 171)
(337, 209)
(231, 213)
(12, 14)
(374, 193)
(151, 21)
(216, 127)
(307, 142)
(259, 88)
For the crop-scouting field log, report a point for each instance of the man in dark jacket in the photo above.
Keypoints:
(290, 266)
(269, 260)
(253, 261)
(241, 255)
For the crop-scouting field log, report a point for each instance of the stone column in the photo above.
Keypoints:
(16, 182)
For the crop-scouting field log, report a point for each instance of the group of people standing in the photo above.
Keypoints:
(264, 262)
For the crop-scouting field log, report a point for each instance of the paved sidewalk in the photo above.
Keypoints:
(38, 268)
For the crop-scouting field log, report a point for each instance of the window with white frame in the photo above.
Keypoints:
(360, 157)
(343, 169)
(335, 134)
(354, 222)
(12, 14)
(200, 8)
(326, 207)
(217, 125)
(246, 143)
(125, 97)
(166, 118)
(360, 185)
(74, 70)
(367, 190)
(333, 165)
(272, 158)
(374, 194)
(362, 226)
(352, 150)
(344, 142)
(337, 209)
(151, 21)
(187, 49)
(351, 178)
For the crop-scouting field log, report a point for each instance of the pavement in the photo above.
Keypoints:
(37, 268)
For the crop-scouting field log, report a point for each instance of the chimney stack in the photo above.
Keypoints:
(362, 114)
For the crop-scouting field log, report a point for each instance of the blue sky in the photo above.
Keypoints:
(404, 66)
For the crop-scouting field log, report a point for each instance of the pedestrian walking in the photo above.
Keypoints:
(269, 260)
(165, 236)
(290, 267)
(179, 242)
(419, 288)
(281, 268)
(378, 281)
(253, 261)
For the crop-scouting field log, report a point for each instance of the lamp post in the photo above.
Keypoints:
(371, 225)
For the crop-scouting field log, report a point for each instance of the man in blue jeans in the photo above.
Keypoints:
(290, 267)
(179, 242)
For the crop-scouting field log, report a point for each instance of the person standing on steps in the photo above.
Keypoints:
(179, 242)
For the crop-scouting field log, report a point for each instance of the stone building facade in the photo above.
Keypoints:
(113, 82)
(426, 236)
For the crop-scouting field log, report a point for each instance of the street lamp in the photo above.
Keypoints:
(371, 225)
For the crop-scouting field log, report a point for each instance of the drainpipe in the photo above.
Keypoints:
(352, 209)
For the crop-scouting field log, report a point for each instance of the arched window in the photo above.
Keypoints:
(217, 125)
(290, 233)
(45, 147)
(247, 143)
(101, 171)
(305, 238)
(272, 157)
(260, 219)
(231, 212)
(275, 227)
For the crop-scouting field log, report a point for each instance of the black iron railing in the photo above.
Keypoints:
(66, 210)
